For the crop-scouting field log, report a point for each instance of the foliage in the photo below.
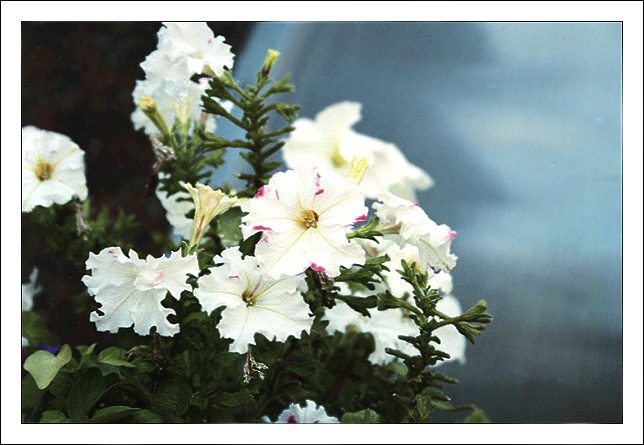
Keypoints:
(192, 377)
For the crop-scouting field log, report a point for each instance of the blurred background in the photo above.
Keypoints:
(519, 125)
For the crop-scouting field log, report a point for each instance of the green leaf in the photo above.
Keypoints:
(85, 393)
(30, 393)
(364, 416)
(34, 330)
(174, 392)
(43, 365)
(359, 304)
(54, 416)
(233, 399)
(229, 224)
(425, 405)
(88, 359)
(111, 413)
(145, 416)
(478, 416)
(112, 356)
(199, 400)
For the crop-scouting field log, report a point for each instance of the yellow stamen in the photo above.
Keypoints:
(358, 168)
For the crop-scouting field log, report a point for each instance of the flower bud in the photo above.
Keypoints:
(269, 62)
(149, 107)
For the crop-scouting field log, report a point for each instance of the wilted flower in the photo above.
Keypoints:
(255, 302)
(208, 204)
(53, 169)
(305, 219)
(330, 143)
(131, 289)
(308, 414)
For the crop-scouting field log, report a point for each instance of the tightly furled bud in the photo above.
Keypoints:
(269, 62)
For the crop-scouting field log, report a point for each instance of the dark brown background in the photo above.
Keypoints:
(77, 79)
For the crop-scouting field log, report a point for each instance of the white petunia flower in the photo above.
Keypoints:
(415, 227)
(176, 211)
(255, 303)
(305, 219)
(452, 342)
(330, 143)
(399, 287)
(53, 169)
(384, 326)
(308, 414)
(180, 99)
(193, 43)
(30, 290)
(131, 289)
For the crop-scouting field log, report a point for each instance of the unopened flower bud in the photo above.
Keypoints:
(149, 107)
(269, 62)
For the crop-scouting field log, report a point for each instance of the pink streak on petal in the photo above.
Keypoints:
(361, 218)
(110, 251)
(316, 267)
(158, 279)
(319, 192)
(264, 240)
(262, 228)
(260, 192)
(451, 234)
(277, 194)
(209, 41)
(233, 276)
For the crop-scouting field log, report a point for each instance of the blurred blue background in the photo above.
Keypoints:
(519, 124)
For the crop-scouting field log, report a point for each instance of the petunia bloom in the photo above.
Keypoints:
(192, 43)
(53, 169)
(440, 281)
(130, 289)
(384, 326)
(255, 302)
(329, 142)
(413, 225)
(307, 414)
(305, 220)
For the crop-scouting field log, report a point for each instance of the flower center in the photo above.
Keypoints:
(309, 219)
(43, 170)
(248, 298)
